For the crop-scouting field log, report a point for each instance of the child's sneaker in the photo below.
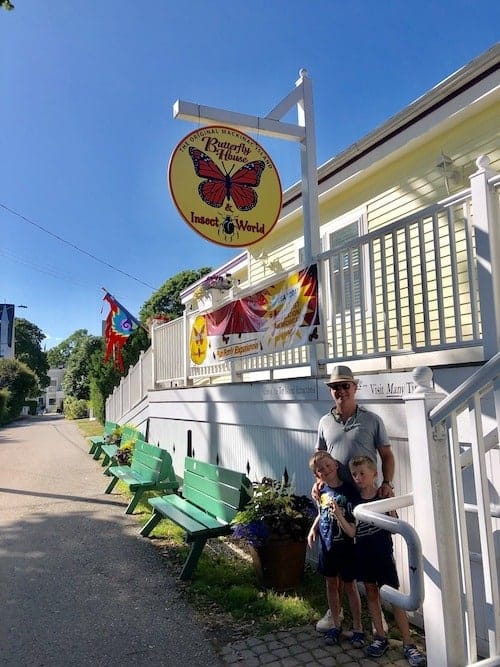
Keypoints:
(358, 639)
(413, 655)
(332, 637)
(377, 648)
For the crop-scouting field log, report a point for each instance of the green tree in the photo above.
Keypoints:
(76, 381)
(28, 349)
(58, 356)
(166, 300)
(20, 382)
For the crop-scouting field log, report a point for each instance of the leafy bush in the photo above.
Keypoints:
(4, 399)
(75, 408)
(20, 381)
(274, 511)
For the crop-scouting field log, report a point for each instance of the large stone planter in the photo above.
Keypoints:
(279, 563)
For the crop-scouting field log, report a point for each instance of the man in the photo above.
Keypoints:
(350, 430)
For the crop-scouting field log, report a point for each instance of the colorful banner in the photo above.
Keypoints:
(280, 317)
(119, 325)
(225, 186)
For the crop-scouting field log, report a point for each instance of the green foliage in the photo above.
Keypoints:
(75, 408)
(59, 355)
(166, 300)
(274, 511)
(126, 451)
(28, 349)
(103, 378)
(76, 380)
(4, 399)
(20, 381)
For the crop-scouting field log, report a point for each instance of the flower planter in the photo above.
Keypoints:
(279, 563)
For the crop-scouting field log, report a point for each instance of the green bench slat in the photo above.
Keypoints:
(211, 498)
(195, 523)
(168, 504)
(109, 450)
(150, 468)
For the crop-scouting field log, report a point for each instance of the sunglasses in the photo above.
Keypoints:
(341, 385)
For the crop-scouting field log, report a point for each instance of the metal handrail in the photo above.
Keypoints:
(374, 514)
(477, 382)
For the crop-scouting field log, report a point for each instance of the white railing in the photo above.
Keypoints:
(132, 388)
(457, 515)
(414, 286)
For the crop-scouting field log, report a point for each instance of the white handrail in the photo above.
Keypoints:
(374, 514)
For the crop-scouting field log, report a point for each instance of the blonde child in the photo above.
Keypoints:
(334, 528)
(375, 566)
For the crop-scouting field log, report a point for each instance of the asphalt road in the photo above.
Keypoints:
(78, 585)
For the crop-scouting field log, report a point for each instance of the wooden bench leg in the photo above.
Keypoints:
(155, 519)
(133, 503)
(105, 461)
(111, 485)
(97, 452)
(193, 557)
(93, 445)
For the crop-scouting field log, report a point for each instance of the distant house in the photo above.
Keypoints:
(53, 398)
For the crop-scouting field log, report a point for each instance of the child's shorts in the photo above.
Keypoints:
(373, 568)
(339, 561)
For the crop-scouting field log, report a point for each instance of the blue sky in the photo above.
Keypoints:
(86, 126)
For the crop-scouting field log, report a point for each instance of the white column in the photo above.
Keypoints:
(435, 525)
(486, 220)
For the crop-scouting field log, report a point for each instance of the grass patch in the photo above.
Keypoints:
(89, 427)
(224, 591)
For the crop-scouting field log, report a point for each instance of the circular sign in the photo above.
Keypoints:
(225, 186)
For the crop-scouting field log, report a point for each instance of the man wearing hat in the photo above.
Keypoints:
(351, 430)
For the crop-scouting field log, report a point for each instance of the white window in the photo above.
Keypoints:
(347, 279)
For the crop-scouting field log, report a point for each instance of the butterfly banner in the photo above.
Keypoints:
(118, 327)
(280, 317)
(225, 186)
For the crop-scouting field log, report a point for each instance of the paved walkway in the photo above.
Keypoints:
(79, 587)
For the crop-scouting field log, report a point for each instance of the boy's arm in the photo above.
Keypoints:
(313, 531)
(348, 528)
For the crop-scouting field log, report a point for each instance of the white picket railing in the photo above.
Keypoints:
(456, 509)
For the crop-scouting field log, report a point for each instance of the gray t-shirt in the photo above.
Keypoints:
(362, 435)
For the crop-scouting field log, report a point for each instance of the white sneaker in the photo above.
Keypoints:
(326, 623)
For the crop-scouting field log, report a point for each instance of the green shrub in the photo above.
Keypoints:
(20, 381)
(4, 399)
(75, 408)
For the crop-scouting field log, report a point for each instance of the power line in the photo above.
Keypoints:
(75, 247)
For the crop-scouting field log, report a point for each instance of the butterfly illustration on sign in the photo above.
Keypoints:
(219, 186)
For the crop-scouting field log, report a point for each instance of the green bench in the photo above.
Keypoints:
(150, 470)
(98, 440)
(110, 450)
(211, 497)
